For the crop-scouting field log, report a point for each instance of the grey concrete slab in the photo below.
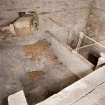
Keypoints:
(75, 62)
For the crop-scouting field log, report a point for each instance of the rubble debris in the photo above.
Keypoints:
(24, 25)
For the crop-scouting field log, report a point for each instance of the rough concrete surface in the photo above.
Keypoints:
(65, 19)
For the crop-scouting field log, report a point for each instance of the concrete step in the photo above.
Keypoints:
(74, 61)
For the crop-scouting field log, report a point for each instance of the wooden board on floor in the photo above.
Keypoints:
(77, 91)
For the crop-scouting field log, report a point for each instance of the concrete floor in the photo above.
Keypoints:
(65, 19)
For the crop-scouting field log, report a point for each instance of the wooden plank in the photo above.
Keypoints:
(96, 97)
(17, 99)
(78, 90)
